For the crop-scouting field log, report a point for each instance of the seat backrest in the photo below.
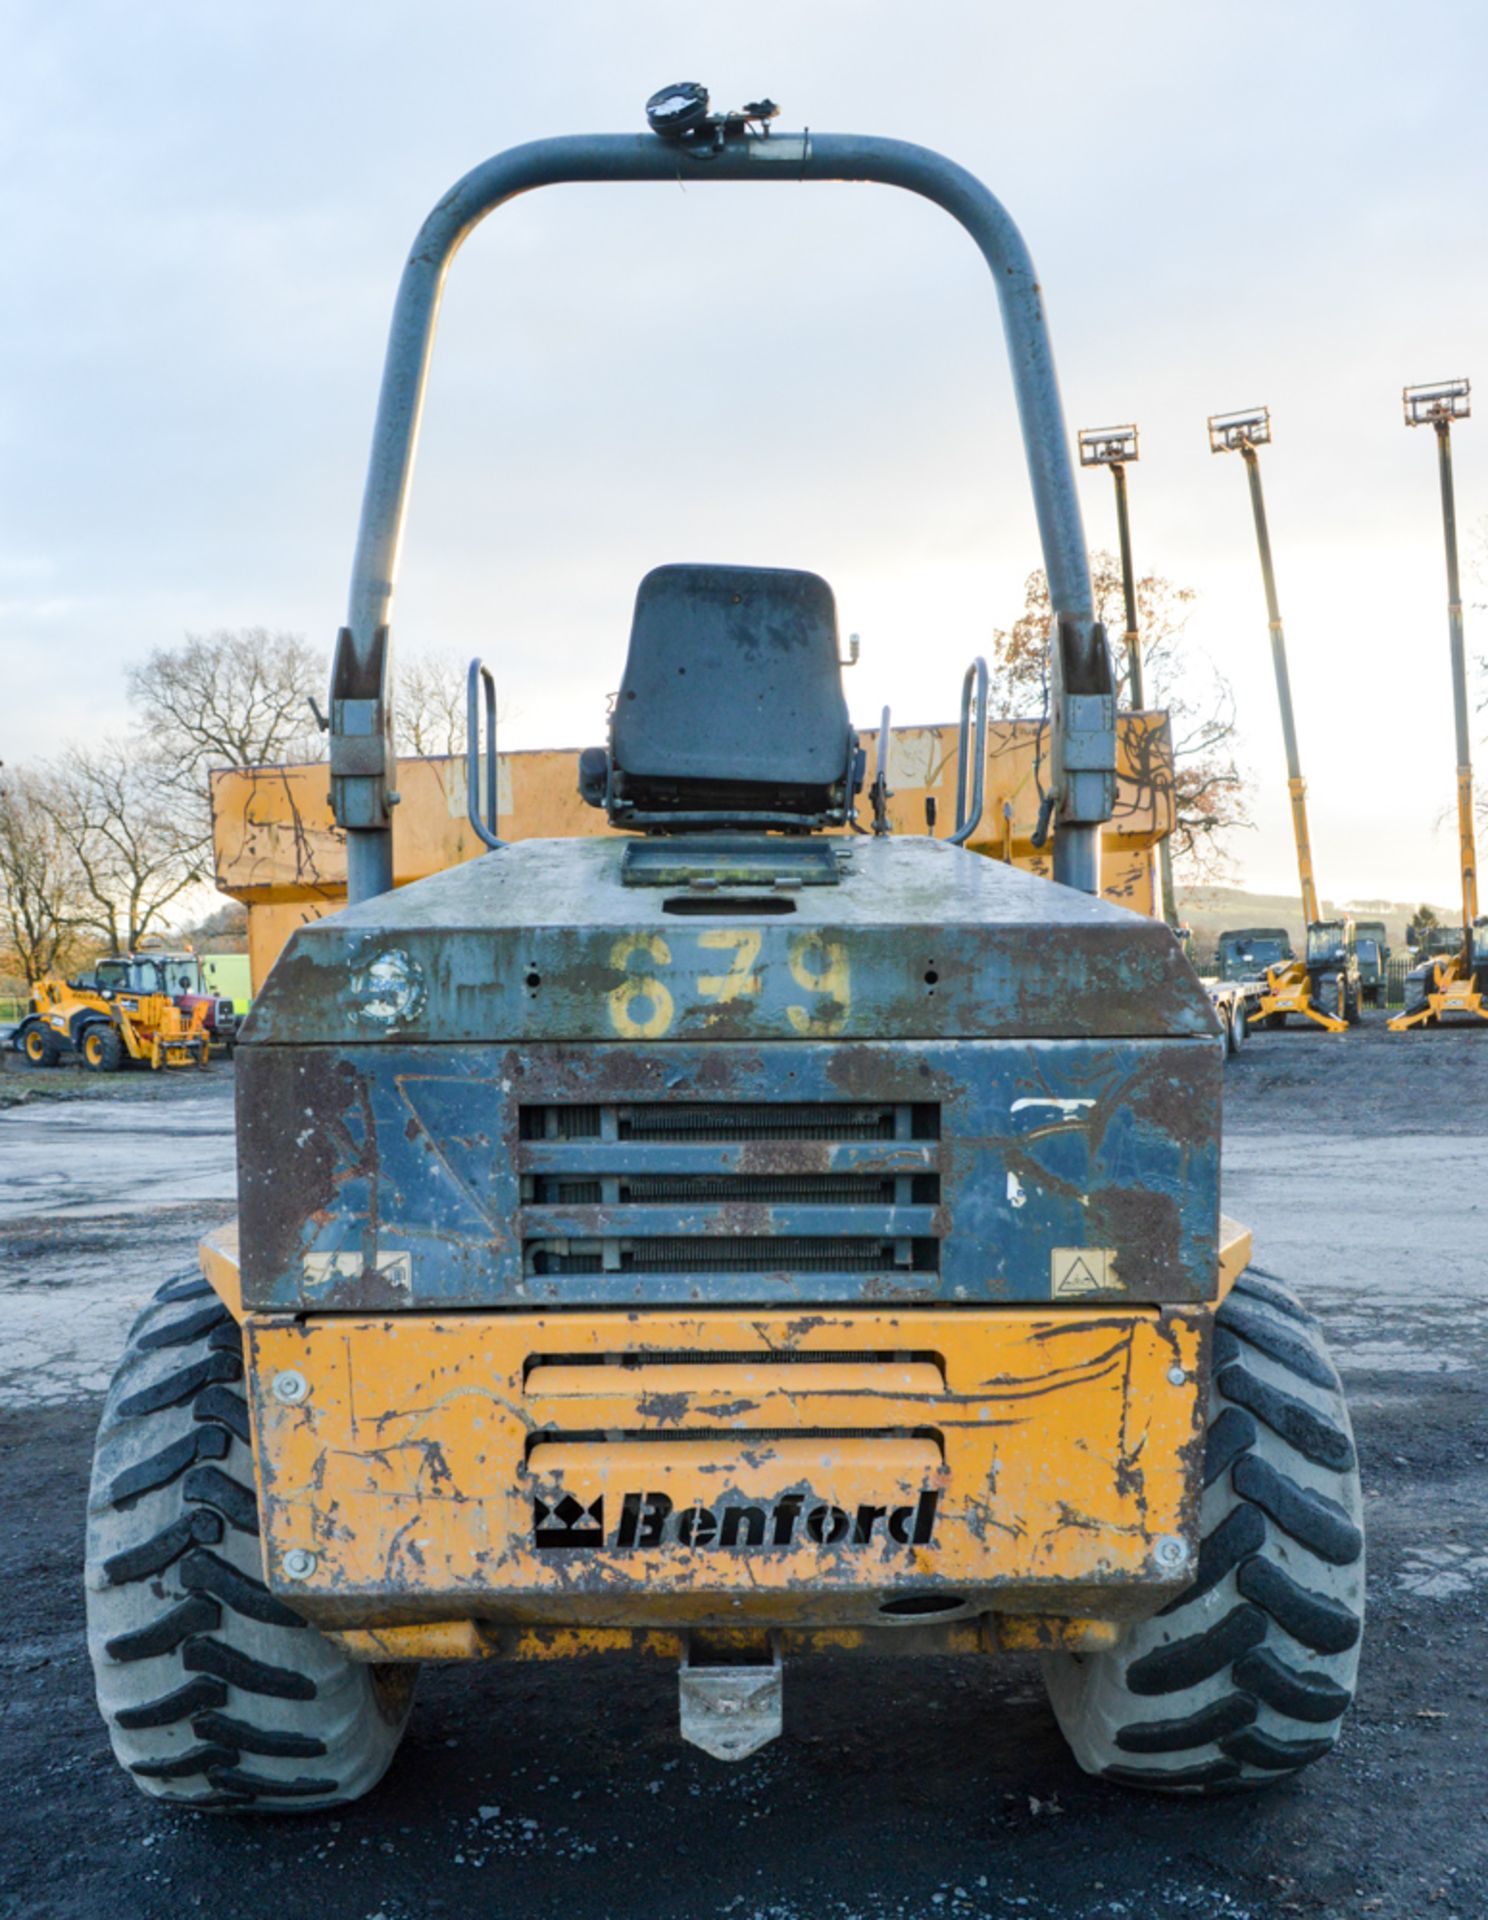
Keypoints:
(732, 685)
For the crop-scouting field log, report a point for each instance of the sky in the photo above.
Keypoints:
(205, 211)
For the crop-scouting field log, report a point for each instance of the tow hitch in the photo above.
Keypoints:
(731, 1706)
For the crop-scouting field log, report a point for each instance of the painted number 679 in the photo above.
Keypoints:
(644, 1006)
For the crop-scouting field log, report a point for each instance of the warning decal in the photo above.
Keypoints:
(324, 1269)
(1074, 1271)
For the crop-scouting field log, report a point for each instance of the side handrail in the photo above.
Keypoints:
(483, 820)
(969, 813)
(879, 792)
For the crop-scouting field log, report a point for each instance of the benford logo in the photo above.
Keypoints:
(653, 1520)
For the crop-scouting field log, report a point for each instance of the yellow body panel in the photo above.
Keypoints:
(1234, 1253)
(420, 1432)
(471, 1640)
(1027, 1459)
(279, 852)
(218, 1254)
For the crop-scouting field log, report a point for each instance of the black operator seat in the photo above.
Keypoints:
(731, 706)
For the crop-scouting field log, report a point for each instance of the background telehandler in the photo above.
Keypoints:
(178, 974)
(728, 1238)
(109, 1023)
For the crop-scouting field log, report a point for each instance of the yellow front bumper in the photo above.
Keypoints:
(665, 1469)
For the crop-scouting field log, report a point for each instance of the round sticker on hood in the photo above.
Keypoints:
(389, 991)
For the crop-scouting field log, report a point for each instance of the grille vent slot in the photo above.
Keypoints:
(822, 1189)
(722, 1121)
(839, 1187)
(738, 1253)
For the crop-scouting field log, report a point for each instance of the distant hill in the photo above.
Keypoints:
(1209, 910)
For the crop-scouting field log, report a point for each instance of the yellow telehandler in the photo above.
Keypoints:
(107, 1028)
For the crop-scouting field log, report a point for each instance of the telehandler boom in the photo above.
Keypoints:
(731, 1237)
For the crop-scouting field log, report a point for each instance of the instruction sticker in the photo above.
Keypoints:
(1075, 1271)
(321, 1269)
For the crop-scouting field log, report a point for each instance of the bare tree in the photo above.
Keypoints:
(429, 706)
(116, 813)
(1209, 796)
(41, 905)
(236, 698)
(104, 841)
(231, 699)
(243, 699)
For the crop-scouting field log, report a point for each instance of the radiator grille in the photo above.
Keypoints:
(842, 1187)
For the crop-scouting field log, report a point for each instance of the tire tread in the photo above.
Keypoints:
(1245, 1676)
(216, 1693)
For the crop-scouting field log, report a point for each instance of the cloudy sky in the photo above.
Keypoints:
(205, 210)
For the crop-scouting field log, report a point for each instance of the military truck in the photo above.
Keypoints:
(1245, 953)
(1372, 949)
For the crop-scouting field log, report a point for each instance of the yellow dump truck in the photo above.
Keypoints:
(745, 1230)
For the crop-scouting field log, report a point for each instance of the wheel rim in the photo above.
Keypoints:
(35, 1046)
(93, 1050)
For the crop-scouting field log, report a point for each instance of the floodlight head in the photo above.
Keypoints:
(1234, 432)
(1107, 446)
(1434, 405)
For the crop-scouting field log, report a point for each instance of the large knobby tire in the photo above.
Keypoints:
(103, 1050)
(40, 1049)
(214, 1692)
(1246, 1676)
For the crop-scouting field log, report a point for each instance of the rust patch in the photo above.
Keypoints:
(294, 1151)
(665, 1409)
(1145, 1226)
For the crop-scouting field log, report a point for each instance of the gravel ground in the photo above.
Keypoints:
(902, 1790)
(22, 1085)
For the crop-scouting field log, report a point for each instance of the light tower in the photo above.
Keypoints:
(1438, 406)
(1243, 433)
(1116, 447)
